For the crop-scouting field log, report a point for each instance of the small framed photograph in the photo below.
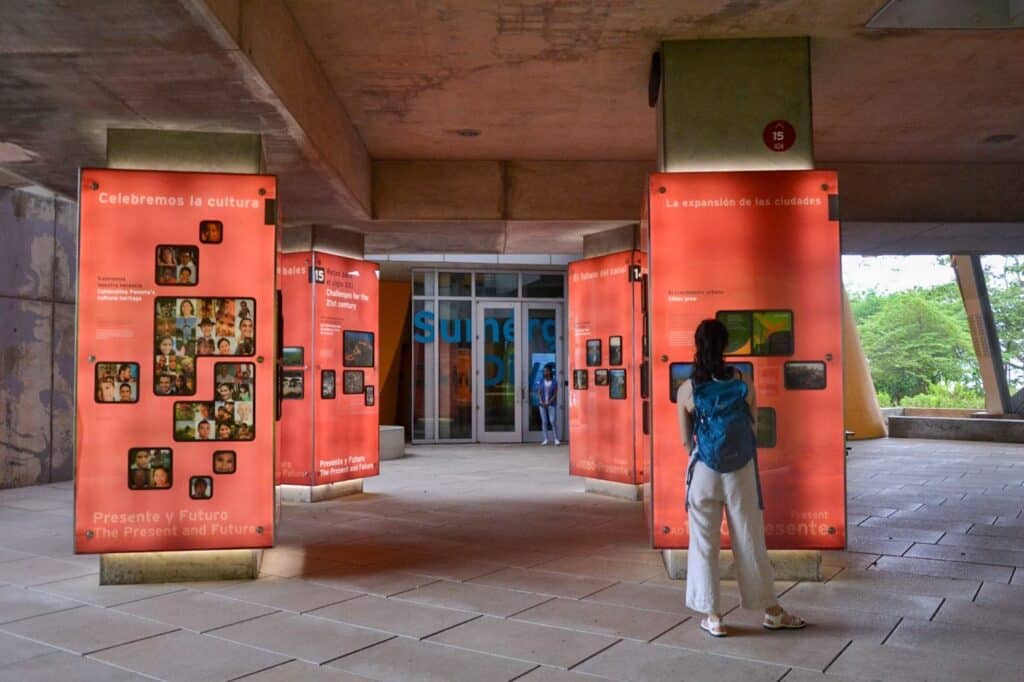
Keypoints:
(615, 350)
(593, 352)
(352, 380)
(224, 461)
(177, 265)
(200, 487)
(150, 468)
(617, 384)
(211, 231)
(804, 376)
(358, 349)
(600, 377)
(579, 379)
(293, 356)
(117, 382)
(292, 384)
(327, 384)
(369, 398)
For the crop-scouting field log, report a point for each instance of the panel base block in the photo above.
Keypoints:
(789, 564)
(319, 493)
(392, 442)
(623, 491)
(135, 568)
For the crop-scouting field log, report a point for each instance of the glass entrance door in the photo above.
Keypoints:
(498, 386)
(543, 348)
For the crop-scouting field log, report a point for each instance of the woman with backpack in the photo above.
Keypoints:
(716, 411)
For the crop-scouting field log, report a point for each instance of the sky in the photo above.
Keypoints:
(885, 274)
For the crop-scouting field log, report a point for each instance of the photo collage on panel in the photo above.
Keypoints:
(187, 328)
(117, 382)
(177, 265)
(150, 468)
(229, 416)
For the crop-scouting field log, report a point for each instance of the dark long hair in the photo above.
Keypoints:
(709, 361)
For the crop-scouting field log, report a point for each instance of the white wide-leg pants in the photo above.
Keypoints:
(737, 492)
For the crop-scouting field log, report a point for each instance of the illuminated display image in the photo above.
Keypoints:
(352, 381)
(292, 385)
(358, 349)
(579, 379)
(758, 332)
(679, 372)
(224, 461)
(292, 356)
(117, 382)
(600, 377)
(327, 384)
(804, 376)
(617, 384)
(593, 352)
(230, 416)
(615, 350)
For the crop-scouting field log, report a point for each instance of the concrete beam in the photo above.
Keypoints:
(273, 50)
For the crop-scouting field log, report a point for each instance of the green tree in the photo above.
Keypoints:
(1006, 293)
(911, 342)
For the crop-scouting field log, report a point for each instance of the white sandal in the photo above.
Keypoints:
(713, 628)
(778, 621)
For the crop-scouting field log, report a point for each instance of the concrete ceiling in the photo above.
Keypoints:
(359, 104)
(568, 79)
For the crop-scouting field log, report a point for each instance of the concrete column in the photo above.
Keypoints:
(737, 105)
(174, 150)
(324, 238)
(861, 413)
(970, 277)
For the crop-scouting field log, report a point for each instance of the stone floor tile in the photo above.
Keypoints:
(39, 570)
(85, 629)
(653, 598)
(841, 623)
(543, 582)
(944, 569)
(987, 615)
(905, 583)
(941, 525)
(196, 611)
(900, 664)
(801, 675)
(895, 533)
(525, 641)
(493, 601)
(394, 616)
(86, 589)
(600, 567)
(602, 619)
(12, 555)
(287, 594)
(868, 510)
(188, 657)
(945, 514)
(402, 660)
(997, 531)
(64, 666)
(17, 603)
(878, 546)
(543, 673)
(380, 582)
(998, 594)
(837, 595)
(1015, 544)
(454, 568)
(968, 643)
(14, 649)
(315, 640)
(300, 671)
(630, 661)
(975, 555)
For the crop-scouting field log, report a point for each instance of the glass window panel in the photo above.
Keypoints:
(455, 370)
(454, 284)
(543, 286)
(423, 391)
(497, 284)
(542, 336)
(423, 283)
(499, 369)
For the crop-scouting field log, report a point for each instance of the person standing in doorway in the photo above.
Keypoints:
(716, 411)
(547, 403)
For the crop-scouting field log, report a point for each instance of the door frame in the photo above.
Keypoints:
(528, 436)
(479, 368)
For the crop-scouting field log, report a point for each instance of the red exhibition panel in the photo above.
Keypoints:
(759, 251)
(604, 400)
(330, 419)
(295, 459)
(175, 361)
(347, 432)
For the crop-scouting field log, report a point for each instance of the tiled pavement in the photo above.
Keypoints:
(482, 563)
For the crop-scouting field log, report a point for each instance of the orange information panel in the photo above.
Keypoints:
(760, 252)
(604, 357)
(175, 361)
(330, 419)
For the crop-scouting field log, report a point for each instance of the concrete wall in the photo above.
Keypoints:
(38, 252)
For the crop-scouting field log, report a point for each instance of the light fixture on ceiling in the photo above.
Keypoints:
(467, 132)
(1000, 138)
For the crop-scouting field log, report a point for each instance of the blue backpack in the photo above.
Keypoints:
(725, 439)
